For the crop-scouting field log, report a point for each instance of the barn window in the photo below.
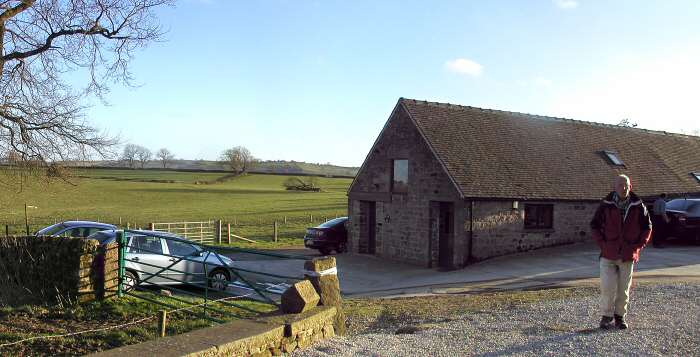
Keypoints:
(539, 216)
(399, 177)
(614, 158)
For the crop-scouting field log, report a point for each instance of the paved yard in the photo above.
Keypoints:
(364, 275)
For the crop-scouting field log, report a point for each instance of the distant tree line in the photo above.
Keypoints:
(136, 154)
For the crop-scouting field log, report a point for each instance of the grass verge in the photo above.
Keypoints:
(31, 321)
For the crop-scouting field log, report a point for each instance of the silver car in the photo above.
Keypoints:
(161, 258)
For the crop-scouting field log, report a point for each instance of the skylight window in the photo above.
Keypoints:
(696, 175)
(614, 158)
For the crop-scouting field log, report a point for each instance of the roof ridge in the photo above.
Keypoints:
(545, 117)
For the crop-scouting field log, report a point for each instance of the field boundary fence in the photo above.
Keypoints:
(207, 232)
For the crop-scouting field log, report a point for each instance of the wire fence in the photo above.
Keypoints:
(262, 226)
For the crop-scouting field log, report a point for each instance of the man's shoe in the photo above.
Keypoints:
(620, 322)
(606, 322)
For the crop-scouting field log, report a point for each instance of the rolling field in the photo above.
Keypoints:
(251, 202)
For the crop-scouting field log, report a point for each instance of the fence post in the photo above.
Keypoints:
(151, 226)
(311, 218)
(285, 220)
(275, 231)
(121, 241)
(218, 231)
(228, 231)
(7, 230)
(162, 318)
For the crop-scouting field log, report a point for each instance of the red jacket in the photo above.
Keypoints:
(621, 236)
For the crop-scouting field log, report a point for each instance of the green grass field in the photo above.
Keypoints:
(251, 202)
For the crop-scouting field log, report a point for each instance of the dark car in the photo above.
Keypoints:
(328, 236)
(75, 229)
(685, 218)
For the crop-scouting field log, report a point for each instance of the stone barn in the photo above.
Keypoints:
(445, 185)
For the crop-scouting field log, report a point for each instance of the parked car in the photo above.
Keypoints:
(684, 215)
(328, 236)
(163, 258)
(75, 229)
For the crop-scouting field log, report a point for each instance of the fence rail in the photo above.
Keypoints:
(201, 232)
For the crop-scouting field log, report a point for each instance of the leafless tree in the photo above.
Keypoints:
(165, 156)
(41, 112)
(143, 155)
(130, 155)
(239, 159)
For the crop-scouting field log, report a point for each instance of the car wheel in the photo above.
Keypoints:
(130, 281)
(219, 279)
(324, 251)
(342, 248)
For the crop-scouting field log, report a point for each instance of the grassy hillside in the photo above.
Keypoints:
(270, 166)
(253, 202)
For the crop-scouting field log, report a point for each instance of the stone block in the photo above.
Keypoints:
(300, 297)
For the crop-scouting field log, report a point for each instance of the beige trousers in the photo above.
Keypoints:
(615, 283)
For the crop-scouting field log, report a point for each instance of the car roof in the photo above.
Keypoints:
(70, 224)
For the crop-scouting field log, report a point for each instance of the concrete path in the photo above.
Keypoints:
(575, 264)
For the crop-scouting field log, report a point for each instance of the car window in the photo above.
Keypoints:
(102, 237)
(51, 230)
(181, 248)
(694, 206)
(74, 233)
(145, 245)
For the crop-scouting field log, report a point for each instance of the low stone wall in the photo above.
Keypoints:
(270, 336)
(46, 270)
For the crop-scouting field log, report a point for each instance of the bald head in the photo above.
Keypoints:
(622, 186)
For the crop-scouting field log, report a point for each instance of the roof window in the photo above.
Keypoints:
(696, 175)
(613, 157)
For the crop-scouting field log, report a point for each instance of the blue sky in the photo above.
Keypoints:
(315, 81)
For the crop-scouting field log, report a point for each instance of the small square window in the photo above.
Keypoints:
(614, 158)
(696, 175)
(399, 177)
(539, 216)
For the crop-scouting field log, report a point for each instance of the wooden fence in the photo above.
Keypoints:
(206, 232)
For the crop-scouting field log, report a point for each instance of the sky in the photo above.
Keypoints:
(316, 81)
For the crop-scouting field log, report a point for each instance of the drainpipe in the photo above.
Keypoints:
(471, 231)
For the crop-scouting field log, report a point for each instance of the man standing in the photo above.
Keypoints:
(621, 227)
(660, 220)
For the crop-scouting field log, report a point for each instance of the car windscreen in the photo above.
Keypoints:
(51, 230)
(332, 223)
(677, 205)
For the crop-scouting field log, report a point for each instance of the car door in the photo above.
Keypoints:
(187, 262)
(145, 255)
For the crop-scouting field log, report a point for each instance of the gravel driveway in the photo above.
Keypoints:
(664, 321)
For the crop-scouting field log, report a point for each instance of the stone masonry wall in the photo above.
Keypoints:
(499, 229)
(403, 220)
(46, 270)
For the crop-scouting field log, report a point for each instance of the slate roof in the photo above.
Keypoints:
(500, 154)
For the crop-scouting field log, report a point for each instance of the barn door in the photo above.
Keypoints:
(445, 233)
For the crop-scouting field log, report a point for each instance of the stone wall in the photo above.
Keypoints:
(46, 270)
(403, 221)
(498, 229)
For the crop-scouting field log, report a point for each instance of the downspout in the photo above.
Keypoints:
(471, 231)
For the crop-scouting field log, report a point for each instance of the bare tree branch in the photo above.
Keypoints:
(41, 42)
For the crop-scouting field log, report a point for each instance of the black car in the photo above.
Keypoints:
(329, 236)
(684, 215)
